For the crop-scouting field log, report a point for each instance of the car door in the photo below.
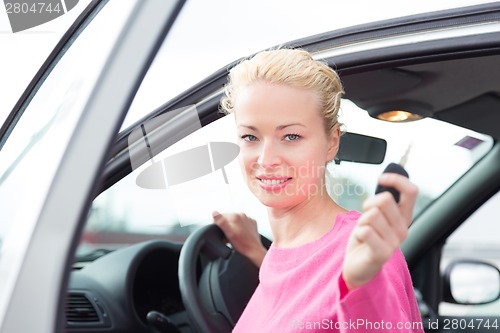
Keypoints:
(51, 159)
(64, 197)
(469, 268)
(423, 39)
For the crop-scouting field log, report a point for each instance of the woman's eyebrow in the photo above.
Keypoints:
(281, 127)
(253, 128)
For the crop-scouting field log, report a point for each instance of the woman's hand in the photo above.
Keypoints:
(241, 231)
(379, 231)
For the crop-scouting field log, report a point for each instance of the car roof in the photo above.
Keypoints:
(464, 92)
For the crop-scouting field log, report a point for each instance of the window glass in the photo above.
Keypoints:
(127, 213)
(31, 155)
(414, 144)
(475, 239)
(24, 52)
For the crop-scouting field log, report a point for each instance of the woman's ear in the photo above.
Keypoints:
(333, 143)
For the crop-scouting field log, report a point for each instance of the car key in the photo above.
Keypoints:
(395, 168)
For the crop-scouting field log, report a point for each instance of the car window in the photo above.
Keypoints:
(437, 153)
(19, 61)
(34, 147)
(475, 239)
(128, 213)
(129, 209)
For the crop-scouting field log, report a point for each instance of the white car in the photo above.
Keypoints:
(106, 190)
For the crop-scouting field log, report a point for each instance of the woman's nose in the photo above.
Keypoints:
(269, 155)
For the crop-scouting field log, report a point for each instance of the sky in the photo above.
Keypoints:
(22, 53)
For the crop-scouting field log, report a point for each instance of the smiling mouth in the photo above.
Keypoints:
(273, 181)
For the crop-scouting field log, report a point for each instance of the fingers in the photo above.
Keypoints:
(219, 220)
(383, 207)
(237, 227)
(226, 223)
(384, 224)
(377, 228)
(241, 231)
(369, 238)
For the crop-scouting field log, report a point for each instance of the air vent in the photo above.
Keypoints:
(79, 309)
(84, 310)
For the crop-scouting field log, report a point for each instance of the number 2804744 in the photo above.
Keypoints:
(32, 8)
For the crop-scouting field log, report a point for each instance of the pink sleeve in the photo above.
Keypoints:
(386, 304)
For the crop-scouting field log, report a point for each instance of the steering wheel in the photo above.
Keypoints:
(215, 281)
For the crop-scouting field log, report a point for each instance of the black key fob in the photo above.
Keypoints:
(392, 168)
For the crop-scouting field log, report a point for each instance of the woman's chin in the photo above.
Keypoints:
(274, 200)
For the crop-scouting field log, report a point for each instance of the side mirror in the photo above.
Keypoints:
(471, 282)
(361, 149)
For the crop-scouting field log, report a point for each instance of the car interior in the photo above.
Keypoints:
(189, 280)
(151, 282)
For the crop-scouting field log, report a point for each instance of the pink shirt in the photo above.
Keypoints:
(302, 290)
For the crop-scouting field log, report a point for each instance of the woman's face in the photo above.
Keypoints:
(284, 147)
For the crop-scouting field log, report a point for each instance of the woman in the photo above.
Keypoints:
(328, 269)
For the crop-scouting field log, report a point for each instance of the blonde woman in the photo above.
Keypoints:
(328, 269)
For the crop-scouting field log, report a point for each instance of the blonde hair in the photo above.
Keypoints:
(292, 67)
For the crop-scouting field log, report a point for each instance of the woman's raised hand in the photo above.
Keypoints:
(379, 232)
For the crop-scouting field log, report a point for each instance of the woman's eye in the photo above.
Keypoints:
(292, 137)
(248, 137)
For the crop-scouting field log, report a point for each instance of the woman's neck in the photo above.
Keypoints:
(303, 223)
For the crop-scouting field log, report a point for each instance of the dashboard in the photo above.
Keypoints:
(115, 292)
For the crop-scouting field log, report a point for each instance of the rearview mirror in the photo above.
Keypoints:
(361, 149)
(471, 282)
